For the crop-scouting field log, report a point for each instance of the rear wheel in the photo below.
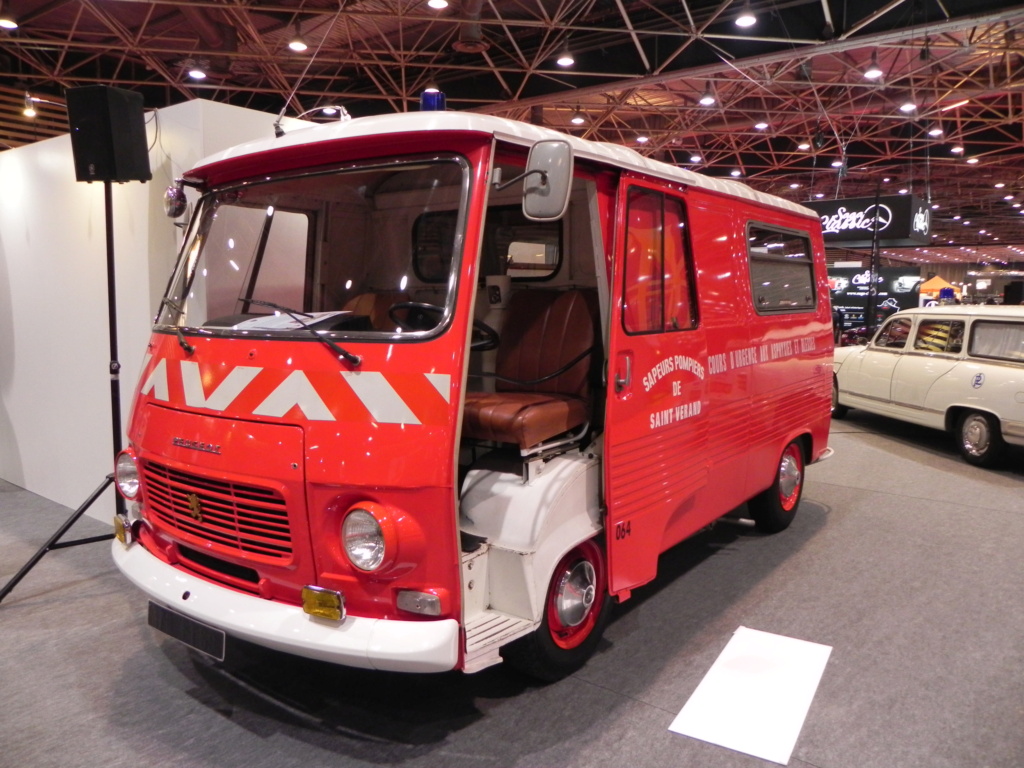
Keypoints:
(575, 612)
(838, 411)
(979, 438)
(773, 509)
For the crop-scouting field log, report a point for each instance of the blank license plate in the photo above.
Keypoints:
(194, 634)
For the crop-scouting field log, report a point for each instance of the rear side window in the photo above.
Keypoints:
(894, 334)
(781, 270)
(940, 336)
(998, 340)
(658, 281)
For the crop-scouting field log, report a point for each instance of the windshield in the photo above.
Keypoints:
(333, 251)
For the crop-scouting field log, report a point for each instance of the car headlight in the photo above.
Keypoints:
(363, 539)
(126, 475)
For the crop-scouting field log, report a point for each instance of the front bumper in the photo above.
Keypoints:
(385, 644)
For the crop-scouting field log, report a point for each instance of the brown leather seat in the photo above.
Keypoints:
(543, 331)
(375, 306)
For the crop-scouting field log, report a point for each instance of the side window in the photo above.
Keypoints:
(894, 334)
(658, 286)
(512, 245)
(999, 340)
(781, 270)
(939, 336)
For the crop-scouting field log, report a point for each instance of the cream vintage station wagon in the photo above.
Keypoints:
(956, 368)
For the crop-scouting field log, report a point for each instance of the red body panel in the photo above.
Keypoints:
(702, 422)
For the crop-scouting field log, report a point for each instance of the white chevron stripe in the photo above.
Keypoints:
(379, 397)
(295, 390)
(442, 383)
(223, 395)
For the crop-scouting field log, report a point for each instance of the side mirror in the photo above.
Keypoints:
(548, 180)
(174, 200)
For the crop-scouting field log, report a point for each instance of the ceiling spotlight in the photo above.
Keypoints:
(908, 106)
(437, 5)
(761, 125)
(8, 22)
(999, 185)
(972, 160)
(873, 72)
(746, 17)
(935, 130)
(195, 69)
(707, 98)
(577, 117)
(837, 163)
(804, 146)
(29, 110)
(641, 139)
(297, 44)
(565, 57)
(329, 111)
(695, 158)
(794, 185)
(956, 149)
(735, 172)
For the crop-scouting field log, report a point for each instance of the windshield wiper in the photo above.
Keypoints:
(294, 315)
(182, 341)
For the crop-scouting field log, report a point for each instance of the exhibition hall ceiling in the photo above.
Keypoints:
(793, 112)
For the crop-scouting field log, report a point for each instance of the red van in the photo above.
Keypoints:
(431, 390)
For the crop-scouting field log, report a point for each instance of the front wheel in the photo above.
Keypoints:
(773, 509)
(979, 439)
(575, 611)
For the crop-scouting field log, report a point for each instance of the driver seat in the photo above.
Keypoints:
(375, 306)
(543, 331)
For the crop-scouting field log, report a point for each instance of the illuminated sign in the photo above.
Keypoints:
(853, 222)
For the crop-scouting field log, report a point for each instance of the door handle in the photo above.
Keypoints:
(622, 382)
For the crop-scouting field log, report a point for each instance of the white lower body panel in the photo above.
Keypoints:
(385, 644)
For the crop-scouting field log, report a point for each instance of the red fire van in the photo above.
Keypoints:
(431, 390)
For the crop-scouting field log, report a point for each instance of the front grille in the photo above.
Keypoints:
(233, 516)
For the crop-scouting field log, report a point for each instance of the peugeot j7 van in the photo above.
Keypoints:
(429, 391)
(956, 368)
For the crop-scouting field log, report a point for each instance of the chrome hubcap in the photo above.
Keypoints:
(976, 436)
(789, 475)
(576, 594)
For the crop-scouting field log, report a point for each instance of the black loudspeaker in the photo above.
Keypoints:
(1014, 292)
(108, 134)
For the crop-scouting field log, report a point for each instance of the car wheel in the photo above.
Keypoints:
(838, 411)
(773, 509)
(575, 612)
(979, 439)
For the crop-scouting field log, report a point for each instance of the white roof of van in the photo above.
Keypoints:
(507, 130)
(1002, 311)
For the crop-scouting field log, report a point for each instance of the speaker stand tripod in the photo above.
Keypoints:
(115, 416)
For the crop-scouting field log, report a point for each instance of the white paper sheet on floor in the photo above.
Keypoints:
(756, 695)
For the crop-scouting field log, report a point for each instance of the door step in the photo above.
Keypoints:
(486, 633)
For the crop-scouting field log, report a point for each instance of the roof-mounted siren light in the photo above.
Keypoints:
(432, 100)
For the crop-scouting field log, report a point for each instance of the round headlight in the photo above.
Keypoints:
(363, 540)
(126, 475)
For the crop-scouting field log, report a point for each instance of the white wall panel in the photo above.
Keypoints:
(55, 433)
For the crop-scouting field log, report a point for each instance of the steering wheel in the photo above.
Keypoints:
(484, 337)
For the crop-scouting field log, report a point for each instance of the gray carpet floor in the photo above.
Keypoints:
(904, 559)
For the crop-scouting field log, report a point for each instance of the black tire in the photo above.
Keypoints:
(576, 609)
(979, 438)
(838, 411)
(774, 508)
